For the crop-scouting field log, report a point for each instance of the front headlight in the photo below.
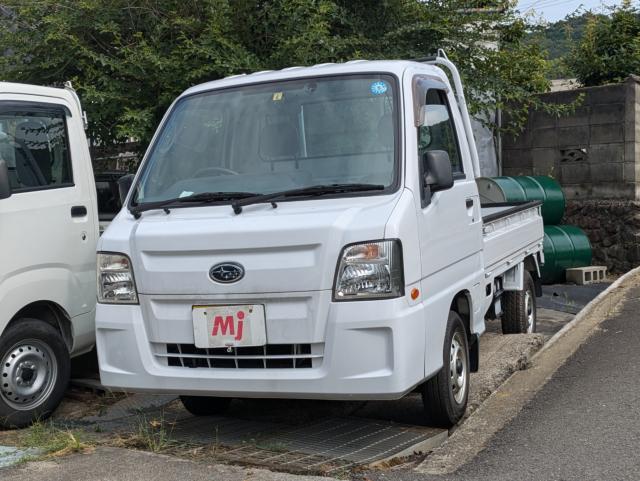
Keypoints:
(115, 279)
(370, 270)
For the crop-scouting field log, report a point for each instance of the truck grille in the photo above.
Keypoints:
(271, 356)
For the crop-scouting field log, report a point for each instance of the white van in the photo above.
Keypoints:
(313, 233)
(48, 235)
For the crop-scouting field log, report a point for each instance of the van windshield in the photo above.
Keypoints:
(271, 137)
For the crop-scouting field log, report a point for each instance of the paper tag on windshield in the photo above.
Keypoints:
(277, 96)
(185, 193)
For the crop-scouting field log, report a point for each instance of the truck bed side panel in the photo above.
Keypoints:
(514, 235)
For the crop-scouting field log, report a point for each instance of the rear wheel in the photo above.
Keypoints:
(34, 372)
(205, 406)
(519, 309)
(445, 395)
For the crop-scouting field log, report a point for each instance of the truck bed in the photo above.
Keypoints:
(511, 232)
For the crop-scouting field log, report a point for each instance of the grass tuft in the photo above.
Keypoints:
(151, 434)
(52, 441)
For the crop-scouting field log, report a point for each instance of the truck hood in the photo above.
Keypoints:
(294, 247)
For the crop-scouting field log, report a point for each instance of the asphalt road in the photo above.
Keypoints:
(583, 425)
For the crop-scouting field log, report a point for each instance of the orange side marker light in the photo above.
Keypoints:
(415, 293)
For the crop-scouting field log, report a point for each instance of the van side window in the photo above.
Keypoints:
(35, 147)
(438, 131)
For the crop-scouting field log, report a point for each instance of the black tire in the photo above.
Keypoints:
(35, 356)
(205, 406)
(519, 309)
(444, 406)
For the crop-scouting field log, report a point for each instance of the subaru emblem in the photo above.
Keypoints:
(226, 272)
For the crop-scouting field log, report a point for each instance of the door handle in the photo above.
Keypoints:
(469, 203)
(78, 211)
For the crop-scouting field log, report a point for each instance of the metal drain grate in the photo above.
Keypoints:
(323, 446)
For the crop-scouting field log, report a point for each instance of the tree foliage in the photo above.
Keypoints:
(609, 50)
(558, 38)
(129, 59)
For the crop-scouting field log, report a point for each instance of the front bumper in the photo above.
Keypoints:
(371, 350)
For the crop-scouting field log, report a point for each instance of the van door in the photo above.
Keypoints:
(47, 226)
(450, 224)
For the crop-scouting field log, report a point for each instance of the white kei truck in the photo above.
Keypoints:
(48, 236)
(316, 233)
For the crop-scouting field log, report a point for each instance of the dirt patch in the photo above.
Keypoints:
(500, 356)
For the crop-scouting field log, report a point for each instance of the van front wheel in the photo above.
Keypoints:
(34, 373)
(445, 395)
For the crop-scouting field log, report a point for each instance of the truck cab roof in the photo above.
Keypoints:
(396, 67)
(38, 90)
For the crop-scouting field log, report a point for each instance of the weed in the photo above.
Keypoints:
(51, 440)
(151, 434)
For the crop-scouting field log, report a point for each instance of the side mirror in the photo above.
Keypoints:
(438, 174)
(5, 185)
(124, 186)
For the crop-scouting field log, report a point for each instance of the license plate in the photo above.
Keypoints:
(229, 326)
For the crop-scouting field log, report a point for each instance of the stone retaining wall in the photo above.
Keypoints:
(613, 227)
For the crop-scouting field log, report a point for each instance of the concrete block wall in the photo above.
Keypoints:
(595, 155)
(594, 152)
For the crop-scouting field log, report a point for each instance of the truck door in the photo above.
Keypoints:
(450, 224)
(47, 226)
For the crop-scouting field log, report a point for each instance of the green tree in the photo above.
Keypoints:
(609, 50)
(127, 59)
(130, 58)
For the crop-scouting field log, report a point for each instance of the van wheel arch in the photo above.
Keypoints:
(49, 312)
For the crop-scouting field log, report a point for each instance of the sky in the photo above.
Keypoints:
(552, 10)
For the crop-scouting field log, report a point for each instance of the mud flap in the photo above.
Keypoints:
(474, 353)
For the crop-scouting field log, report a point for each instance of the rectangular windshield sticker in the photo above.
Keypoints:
(278, 96)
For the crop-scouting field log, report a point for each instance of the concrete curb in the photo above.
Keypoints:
(508, 400)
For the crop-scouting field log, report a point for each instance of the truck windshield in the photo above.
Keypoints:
(271, 137)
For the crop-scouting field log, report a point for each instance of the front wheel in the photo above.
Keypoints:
(445, 395)
(34, 373)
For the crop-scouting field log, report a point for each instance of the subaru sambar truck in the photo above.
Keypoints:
(317, 233)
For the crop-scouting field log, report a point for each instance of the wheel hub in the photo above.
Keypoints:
(458, 368)
(528, 306)
(27, 374)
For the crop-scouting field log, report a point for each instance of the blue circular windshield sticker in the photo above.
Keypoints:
(378, 88)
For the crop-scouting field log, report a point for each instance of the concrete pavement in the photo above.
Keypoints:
(114, 464)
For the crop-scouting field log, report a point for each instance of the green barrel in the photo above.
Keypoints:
(525, 188)
(565, 246)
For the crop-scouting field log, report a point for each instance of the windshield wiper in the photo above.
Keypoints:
(320, 189)
(202, 198)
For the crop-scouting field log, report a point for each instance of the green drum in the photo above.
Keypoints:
(565, 246)
(525, 188)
